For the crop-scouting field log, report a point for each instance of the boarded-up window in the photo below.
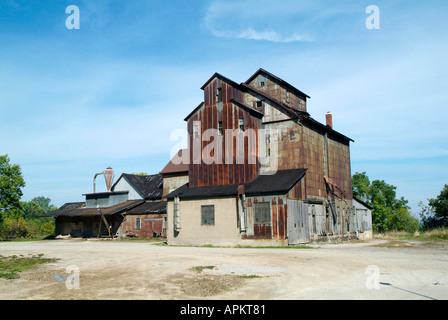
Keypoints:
(208, 215)
(219, 95)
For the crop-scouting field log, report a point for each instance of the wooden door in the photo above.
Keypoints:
(298, 222)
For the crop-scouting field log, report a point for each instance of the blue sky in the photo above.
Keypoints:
(73, 102)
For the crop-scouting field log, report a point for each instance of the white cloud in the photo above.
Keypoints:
(257, 20)
(267, 35)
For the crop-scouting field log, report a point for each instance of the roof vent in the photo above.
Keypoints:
(109, 175)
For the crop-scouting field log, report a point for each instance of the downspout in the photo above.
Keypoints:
(241, 205)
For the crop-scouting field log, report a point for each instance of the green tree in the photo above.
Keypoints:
(31, 210)
(11, 184)
(389, 213)
(435, 214)
(361, 186)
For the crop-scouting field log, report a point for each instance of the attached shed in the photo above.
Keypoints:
(363, 217)
(256, 213)
(146, 221)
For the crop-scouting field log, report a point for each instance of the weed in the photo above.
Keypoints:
(199, 269)
(251, 276)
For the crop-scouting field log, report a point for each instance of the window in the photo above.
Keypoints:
(196, 131)
(262, 84)
(262, 212)
(219, 95)
(259, 104)
(138, 223)
(287, 96)
(262, 220)
(241, 124)
(220, 130)
(208, 215)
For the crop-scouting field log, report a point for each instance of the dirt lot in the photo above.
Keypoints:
(378, 269)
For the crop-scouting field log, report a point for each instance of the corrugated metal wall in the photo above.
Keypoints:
(227, 171)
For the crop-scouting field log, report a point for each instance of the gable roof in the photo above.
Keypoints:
(362, 203)
(149, 187)
(282, 82)
(194, 111)
(219, 76)
(280, 182)
(293, 113)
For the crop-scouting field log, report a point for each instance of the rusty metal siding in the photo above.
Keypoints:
(339, 169)
(277, 229)
(313, 146)
(227, 171)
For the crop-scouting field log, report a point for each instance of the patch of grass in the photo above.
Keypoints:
(437, 235)
(291, 247)
(434, 235)
(395, 244)
(11, 266)
(199, 269)
(143, 239)
(250, 276)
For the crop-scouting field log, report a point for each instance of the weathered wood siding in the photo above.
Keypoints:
(272, 88)
(173, 182)
(270, 110)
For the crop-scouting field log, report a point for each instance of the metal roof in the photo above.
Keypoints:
(279, 182)
(149, 187)
(157, 207)
(69, 210)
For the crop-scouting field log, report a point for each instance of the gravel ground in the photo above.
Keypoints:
(378, 269)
